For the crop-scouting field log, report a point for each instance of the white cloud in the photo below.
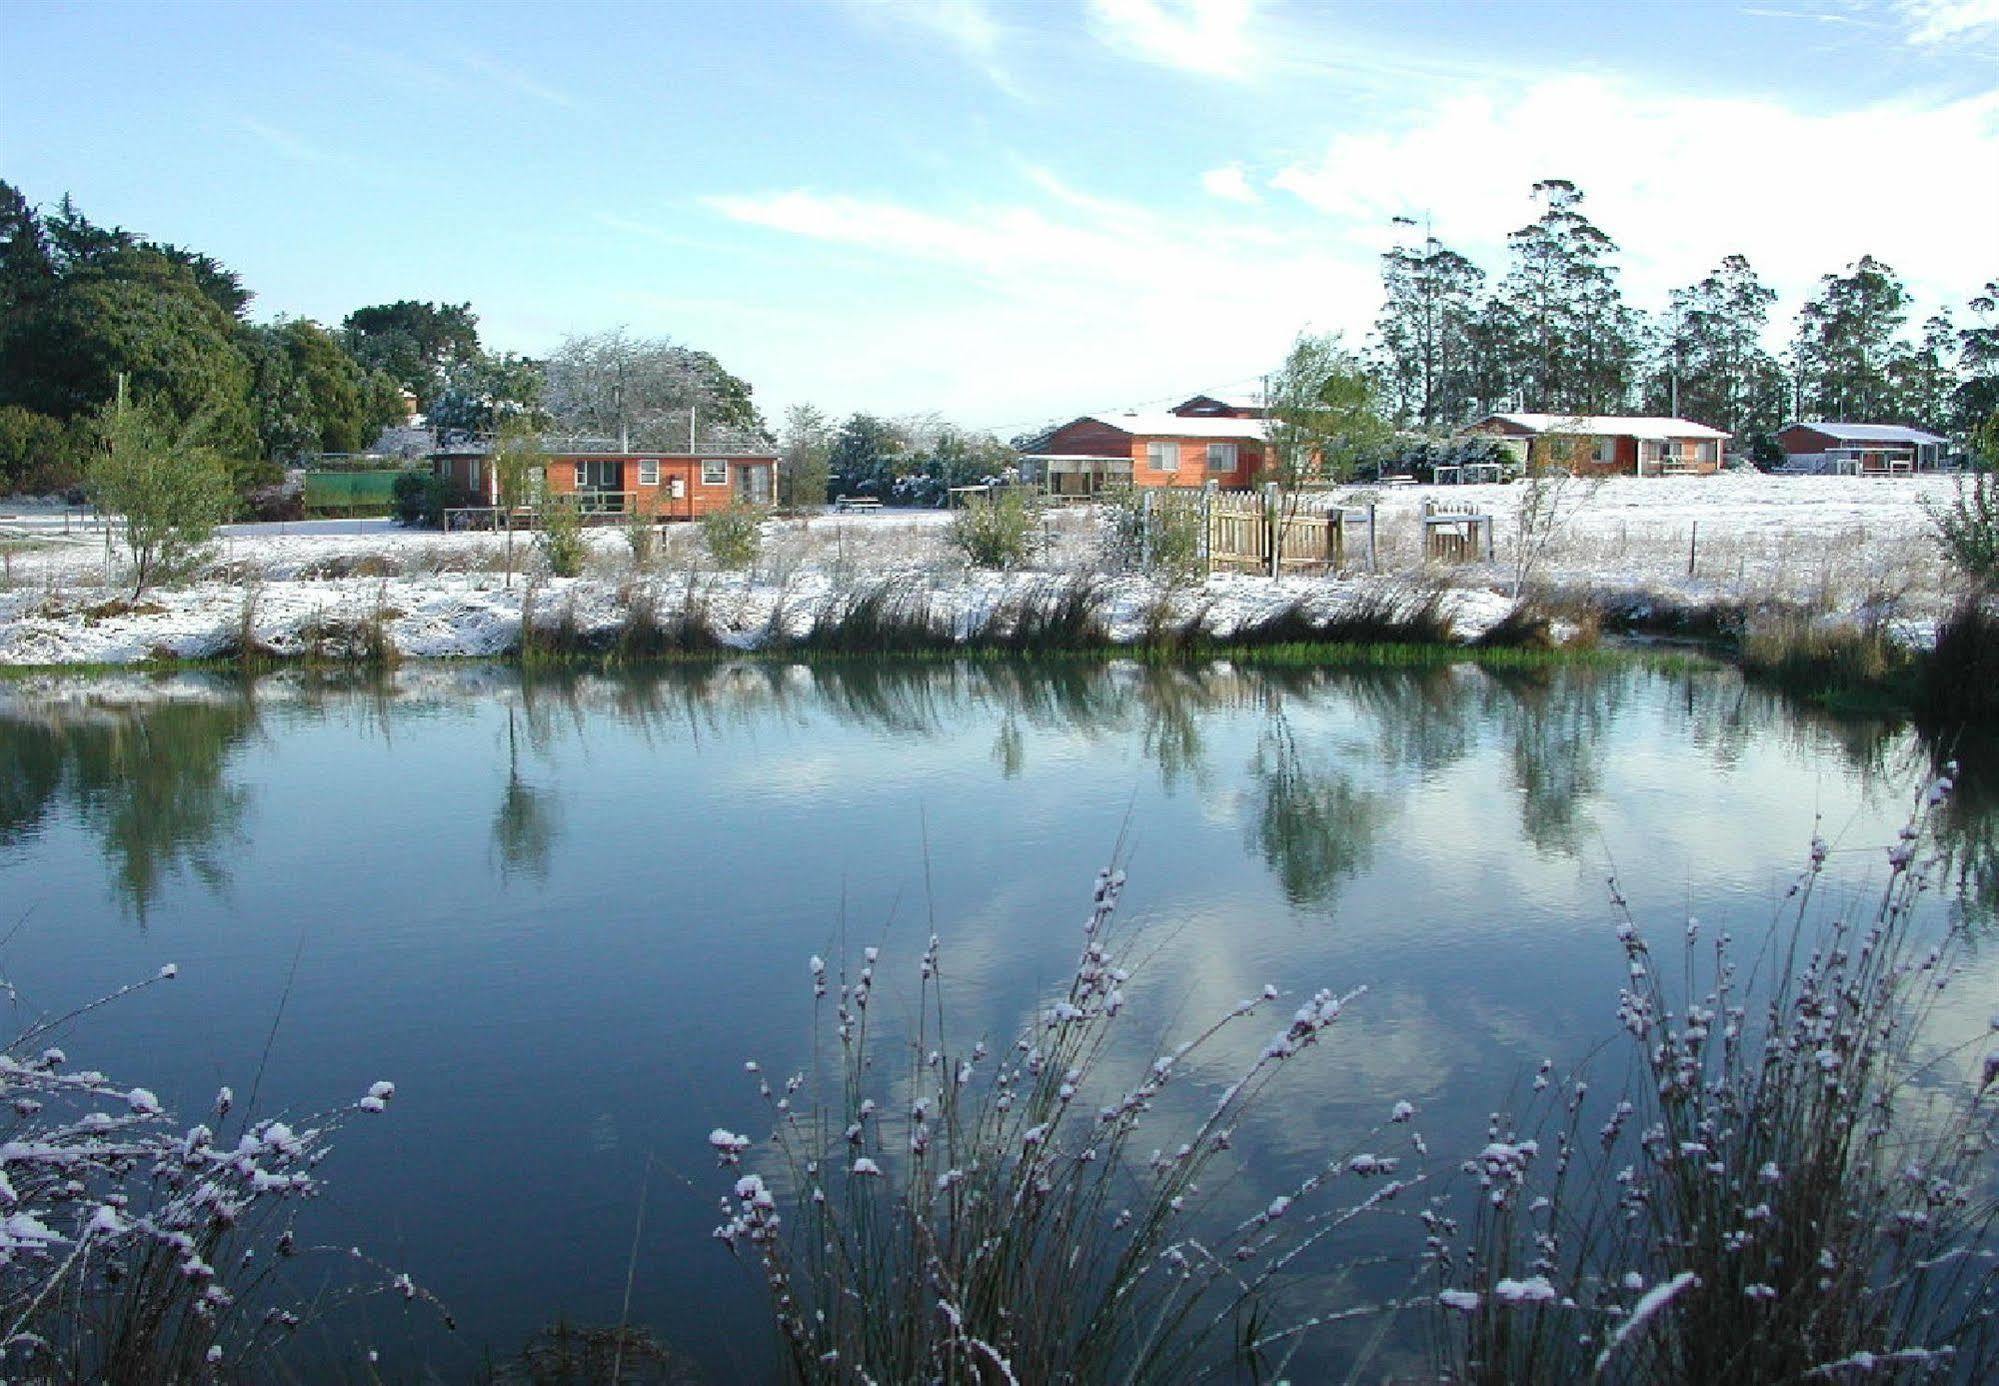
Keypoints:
(1229, 183)
(1933, 22)
(1209, 37)
(1682, 180)
(1070, 304)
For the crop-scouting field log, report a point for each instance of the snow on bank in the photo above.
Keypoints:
(1845, 543)
(473, 614)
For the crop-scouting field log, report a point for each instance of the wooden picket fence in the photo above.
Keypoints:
(1266, 531)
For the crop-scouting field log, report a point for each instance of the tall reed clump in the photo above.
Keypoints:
(1804, 651)
(134, 1250)
(1960, 680)
(1794, 1186)
(962, 1214)
(883, 618)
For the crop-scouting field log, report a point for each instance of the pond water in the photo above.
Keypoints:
(561, 913)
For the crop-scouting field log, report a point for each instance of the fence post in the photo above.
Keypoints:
(1273, 525)
(1146, 521)
(1373, 566)
(1207, 552)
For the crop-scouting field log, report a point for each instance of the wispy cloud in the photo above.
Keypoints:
(1936, 22)
(966, 27)
(1230, 183)
(1208, 37)
(514, 79)
(283, 141)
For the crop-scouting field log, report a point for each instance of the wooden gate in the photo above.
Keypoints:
(1267, 532)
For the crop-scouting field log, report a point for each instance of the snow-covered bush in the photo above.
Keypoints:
(733, 536)
(972, 1214)
(1796, 1184)
(997, 530)
(136, 1249)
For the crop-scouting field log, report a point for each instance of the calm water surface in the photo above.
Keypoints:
(561, 914)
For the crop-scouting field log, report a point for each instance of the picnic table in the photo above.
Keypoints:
(857, 503)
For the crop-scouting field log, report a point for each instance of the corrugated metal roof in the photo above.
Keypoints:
(1869, 433)
(1612, 425)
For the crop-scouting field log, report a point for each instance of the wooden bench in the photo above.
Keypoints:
(857, 503)
(1456, 536)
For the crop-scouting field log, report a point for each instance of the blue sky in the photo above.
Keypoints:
(1006, 212)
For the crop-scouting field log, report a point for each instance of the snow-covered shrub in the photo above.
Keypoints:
(136, 1249)
(1967, 529)
(1796, 1184)
(964, 1213)
(998, 530)
(1162, 537)
(733, 536)
(560, 538)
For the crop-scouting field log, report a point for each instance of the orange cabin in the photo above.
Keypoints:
(664, 485)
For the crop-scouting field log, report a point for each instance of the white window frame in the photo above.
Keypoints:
(1162, 457)
(714, 471)
(648, 471)
(1704, 451)
(1224, 457)
(1606, 449)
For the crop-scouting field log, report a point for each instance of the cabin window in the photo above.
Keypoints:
(1162, 457)
(1606, 450)
(1221, 457)
(648, 471)
(1705, 451)
(678, 488)
(600, 476)
(714, 471)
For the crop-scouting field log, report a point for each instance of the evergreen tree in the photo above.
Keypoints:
(1846, 342)
(1925, 376)
(1712, 366)
(1976, 398)
(1573, 339)
(414, 342)
(1427, 333)
(865, 456)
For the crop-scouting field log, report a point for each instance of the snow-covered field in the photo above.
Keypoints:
(1846, 543)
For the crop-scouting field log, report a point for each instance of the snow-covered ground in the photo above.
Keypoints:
(1847, 543)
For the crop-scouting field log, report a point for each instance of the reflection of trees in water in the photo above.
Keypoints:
(1314, 826)
(1425, 720)
(1968, 827)
(1554, 721)
(148, 780)
(528, 821)
(1009, 751)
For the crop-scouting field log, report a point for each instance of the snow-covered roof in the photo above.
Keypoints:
(1869, 433)
(1610, 425)
(1154, 425)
